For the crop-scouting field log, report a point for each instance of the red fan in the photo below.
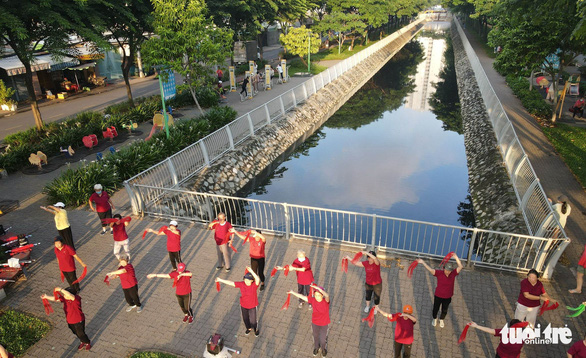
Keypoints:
(394, 317)
(62, 276)
(463, 335)
(411, 268)
(20, 249)
(144, 234)
(47, 305)
(447, 258)
(56, 295)
(218, 288)
(233, 248)
(356, 258)
(286, 305)
(345, 265)
(274, 272)
(81, 277)
(286, 271)
(109, 221)
(370, 318)
(107, 280)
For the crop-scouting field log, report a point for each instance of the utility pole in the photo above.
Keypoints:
(309, 52)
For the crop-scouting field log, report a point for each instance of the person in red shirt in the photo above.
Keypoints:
(403, 330)
(509, 350)
(4, 353)
(65, 255)
(120, 236)
(580, 269)
(222, 235)
(374, 282)
(446, 279)
(530, 296)
(578, 349)
(320, 317)
(302, 268)
(73, 313)
(129, 284)
(257, 253)
(173, 242)
(248, 299)
(182, 282)
(103, 207)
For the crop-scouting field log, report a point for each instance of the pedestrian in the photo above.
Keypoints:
(4, 353)
(120, 236)
(530, 296)
(215, 348)
(73, 313)
(320, 317)
(182, 283)
(244, 86)
(257, 253)
(578, 349)
(444, 290)
(65, 255)
(578, 108)
(302, 268)
(103, 207)
(561, 210)
(221, 90)
(255, 82)
(248, 299)
(61, 222)
(403, 330)
(280, 70)
(374, 282)
(580, 269)
(504, 350)
(222, 235)
(128, 282)
(220, 74)
(173, 242)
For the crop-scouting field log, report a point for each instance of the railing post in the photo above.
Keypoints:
(471, 248)
(526, 197)
(250, 124)
(294, 99)
(282, 105)
(132, 198)
(230, 138)
(373, 238)
(304, 92)
(204, 151)
(314, 84)
(209, 206)
(553, 260)
(540, 262)
(287, 221)
(173, 172)
(268, 114)
(515, 172)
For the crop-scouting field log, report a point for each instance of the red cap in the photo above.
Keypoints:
(181, 267)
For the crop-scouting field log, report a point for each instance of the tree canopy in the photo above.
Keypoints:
(297, 42)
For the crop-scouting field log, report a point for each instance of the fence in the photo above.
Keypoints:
(185, 164)
(493, 249)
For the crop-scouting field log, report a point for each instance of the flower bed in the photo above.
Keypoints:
(19, 331)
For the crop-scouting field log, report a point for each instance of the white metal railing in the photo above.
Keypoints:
(533, 201)
(485, 248)
(183, 165)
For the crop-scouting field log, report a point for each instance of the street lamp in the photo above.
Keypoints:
(309, 52)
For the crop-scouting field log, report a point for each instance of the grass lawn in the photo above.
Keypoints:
(19, 331)
(153, 355)
(570, 143)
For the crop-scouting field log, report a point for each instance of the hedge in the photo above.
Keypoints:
(531, 99)
(75, 186)
(19, 331)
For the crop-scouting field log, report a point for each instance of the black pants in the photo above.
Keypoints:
(185, 304)
(302, 290)
(79, 330)
(175, 258)
(71, 277)
(67, 236)
(320, 336)
(258, 266)
(131, 295)
(406, 350)
(105, 215)
(376, 289)
(244, 89)
(249, 317)
(444, 302)
(576, 110)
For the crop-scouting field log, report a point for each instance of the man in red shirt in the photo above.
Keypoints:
(578, 349)
(73, 313)
(182, 281)
(257, 243)
(248, 299)
(509, 350)
(444, 290)
(222, 236)
(403, 330)
(374, 282)
(120, 236)
(302, 266)
(129, 284)
(173, 242)
(320, 317)
(65, 255)
(103, 207)
(530, 296)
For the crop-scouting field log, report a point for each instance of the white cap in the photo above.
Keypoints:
(220, 81)
(173, 223)
(59, 205)
(98, 187)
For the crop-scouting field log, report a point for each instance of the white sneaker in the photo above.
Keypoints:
(366, 309)
(300, 304)
(375, 311)
(434, 322)
(130, 308)
(441, 323)
(139, 310)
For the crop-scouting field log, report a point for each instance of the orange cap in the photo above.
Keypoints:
(408, 309)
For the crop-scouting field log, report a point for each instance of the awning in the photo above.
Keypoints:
(61, 64)
(83, 66)
(14, 67)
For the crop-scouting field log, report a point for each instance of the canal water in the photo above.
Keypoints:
(385, 151)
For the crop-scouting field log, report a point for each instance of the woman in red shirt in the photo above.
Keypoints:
(446, 279)
(530, 296)
(248, 299)
(578, 349)
(103, 207)
(403, 330)
(73, 314)
(320, 317)
(509, 350)
(129, 283)
(257, 253)
(4, 353)
(65, 256)
(120, 236)
(302, 266)
(182, 282)
(374, 282)
(173, 242)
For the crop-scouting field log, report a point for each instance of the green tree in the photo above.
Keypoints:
(186, 41)
(297, 42)
(342, 23)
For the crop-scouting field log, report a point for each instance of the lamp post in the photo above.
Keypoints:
(309, 52)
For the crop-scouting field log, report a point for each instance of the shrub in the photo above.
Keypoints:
(19, 331)
(531, 99)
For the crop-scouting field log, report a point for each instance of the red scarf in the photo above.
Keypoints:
(370, 318)
(345, 264)
(81, 277)
(463, 335)
(47, 305)
(286, 305)
(356, 258)
(107, 280)
(447, 258)
(411, 268)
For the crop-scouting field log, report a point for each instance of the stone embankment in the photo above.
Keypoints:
(495, 203)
